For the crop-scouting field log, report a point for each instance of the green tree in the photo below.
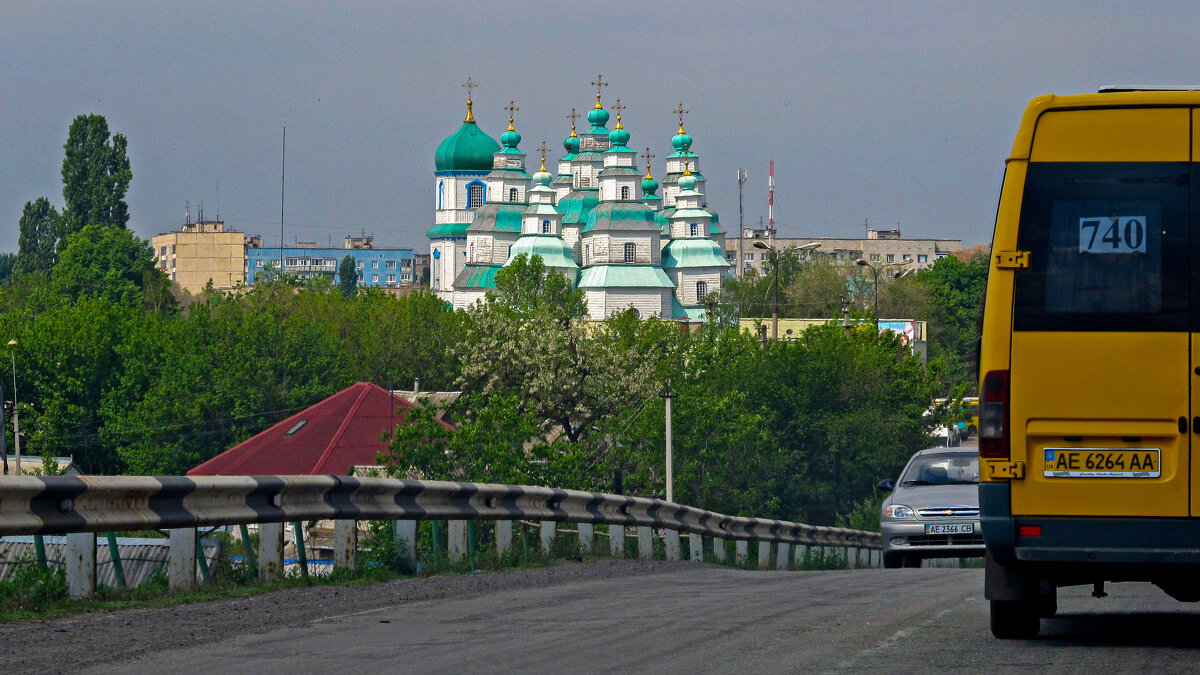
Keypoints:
(955, 290)
(8, 262)
(96, 175)
(37, 240)
(348, 277)
(110, 262)
(524, 287)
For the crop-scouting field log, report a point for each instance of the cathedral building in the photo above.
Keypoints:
(598, 220)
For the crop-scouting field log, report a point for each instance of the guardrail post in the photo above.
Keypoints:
(645, 543)
(549, 532)
(504, 536)
(741, 551)
(301, 553)
(114, 555)
(695, 548)
(718, 549)
(764, 555)
(848, 553)
(270, 552)
(456, 536)
(404, 533)
(616, 540)
(181, 561)
(782, 553)
(799, 555)
(587, 538)
(345, 544)
(81, 564)
(672, 547)
(875, 558)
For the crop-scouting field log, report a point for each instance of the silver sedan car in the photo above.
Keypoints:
(933, 510)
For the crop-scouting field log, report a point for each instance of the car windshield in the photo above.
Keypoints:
(943, 469)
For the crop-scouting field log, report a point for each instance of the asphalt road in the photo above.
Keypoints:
(674, 618)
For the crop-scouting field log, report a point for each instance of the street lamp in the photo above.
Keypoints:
(875, 270)
(16, 425)
(775, 263)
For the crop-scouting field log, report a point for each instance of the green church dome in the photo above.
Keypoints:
(468, 149)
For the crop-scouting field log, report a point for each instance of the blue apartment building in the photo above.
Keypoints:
(382, 267)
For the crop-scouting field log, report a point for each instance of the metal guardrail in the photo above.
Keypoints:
(64, 504)
(80, 506)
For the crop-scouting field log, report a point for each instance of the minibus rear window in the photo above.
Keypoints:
(1108, 247)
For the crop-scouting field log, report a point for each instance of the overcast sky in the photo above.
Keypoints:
(900, 113)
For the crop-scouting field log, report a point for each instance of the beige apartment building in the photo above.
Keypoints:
(880, 246)
(202, 251)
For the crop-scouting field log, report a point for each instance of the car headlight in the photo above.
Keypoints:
(898, 511)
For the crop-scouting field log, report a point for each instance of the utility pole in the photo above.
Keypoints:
(668, 395)
(741, 265)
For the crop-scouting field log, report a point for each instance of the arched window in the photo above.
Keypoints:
(475, 195)
(694, 229)
(441, 192)
(512, 194)
(545, 227)
(624, 192)
(701, 290)
(630, 252)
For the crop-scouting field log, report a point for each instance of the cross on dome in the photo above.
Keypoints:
(543, 148)
(618, 107)
(598, 84)
(681, 112)
(573, 116)
(647, 155)
(469, 85)
(511, 108)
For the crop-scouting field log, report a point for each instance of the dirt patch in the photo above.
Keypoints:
(70, 643)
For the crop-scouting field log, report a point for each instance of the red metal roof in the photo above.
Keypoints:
(328, 438)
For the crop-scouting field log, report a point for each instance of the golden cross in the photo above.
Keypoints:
(647, 156)
(681, 112)
(511, 108)
(573, 116)
(469, 85)
(618, 107)
(598, 84)
(543, 148)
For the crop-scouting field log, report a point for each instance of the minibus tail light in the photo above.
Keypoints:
(993, 415)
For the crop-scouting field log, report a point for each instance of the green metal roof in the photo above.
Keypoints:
(693, 253)
(468, 149)
(624, 276)
(681, 313)
(576, 205)
(477, 276)
(448, 230)
(554, 251)
(496, 217)
(621, 217)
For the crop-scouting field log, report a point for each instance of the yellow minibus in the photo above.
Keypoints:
(1089, 414)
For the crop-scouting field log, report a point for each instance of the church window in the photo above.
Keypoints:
(587, 254)
(584, 181)
(545, 227)
(441, 192)
(630, 252)
(624, 192)
(512, 194)
(694, 229)
(701, 290)
(475, 195)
